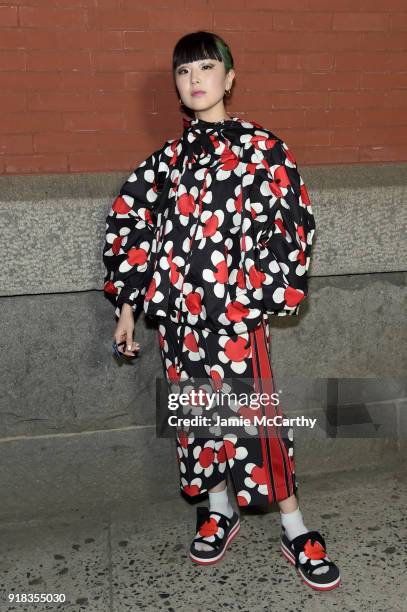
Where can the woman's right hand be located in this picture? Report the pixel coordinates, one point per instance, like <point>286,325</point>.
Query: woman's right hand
<point>124,331</point>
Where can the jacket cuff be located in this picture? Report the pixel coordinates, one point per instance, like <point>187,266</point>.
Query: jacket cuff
<point>285,311</point>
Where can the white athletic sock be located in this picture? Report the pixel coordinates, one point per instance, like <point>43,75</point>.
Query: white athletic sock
<point>293,523</point>
<point>219,502</point>
<point>294,526</point>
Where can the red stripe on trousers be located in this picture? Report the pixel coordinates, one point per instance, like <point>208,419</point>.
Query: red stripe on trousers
<point>262,439</point>
<point>278,450</point>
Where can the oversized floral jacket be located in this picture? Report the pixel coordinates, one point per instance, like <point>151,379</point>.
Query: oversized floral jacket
<point>228,240</point>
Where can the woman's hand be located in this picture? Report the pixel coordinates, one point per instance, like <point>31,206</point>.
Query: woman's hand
<point>124,331</point>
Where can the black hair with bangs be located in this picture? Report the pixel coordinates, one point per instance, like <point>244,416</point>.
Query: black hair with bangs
<point>201,45</point>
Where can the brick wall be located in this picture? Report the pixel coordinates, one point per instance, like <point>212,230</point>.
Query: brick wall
<point>86,85</point>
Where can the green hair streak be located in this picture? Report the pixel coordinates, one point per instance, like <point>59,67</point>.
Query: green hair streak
<point>225,53</point>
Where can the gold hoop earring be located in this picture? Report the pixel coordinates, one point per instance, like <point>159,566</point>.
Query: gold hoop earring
<point>180,101</point>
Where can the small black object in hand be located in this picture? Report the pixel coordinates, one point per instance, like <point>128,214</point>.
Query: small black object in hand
<point>120,354</point>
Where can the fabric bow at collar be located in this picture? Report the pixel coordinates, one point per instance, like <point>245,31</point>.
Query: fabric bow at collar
<point>198,136</point>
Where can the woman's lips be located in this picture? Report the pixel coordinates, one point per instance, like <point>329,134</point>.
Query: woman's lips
<point>198,93</point>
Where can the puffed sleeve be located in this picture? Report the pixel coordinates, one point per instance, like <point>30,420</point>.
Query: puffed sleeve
<point>285,242</point>
<point>130,226</point>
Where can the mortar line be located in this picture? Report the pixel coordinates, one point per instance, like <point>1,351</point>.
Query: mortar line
<point>69,434</point>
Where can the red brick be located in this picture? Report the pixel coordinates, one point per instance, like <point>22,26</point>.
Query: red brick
<point>35,164</point>
<point>383,81</point>
<point>254,62</point>
<point>156,124</point>
<point>334,5</point>
<point>103,40</point>
<point>86,115</point>
<point>371,61</point>
<point>49,61</point>
<point>55,3</point>
<point>273,81</point>
<point>231,5</point>
<point>42,38</point>
<point>327,155</point>
<point>331,118</point>
<point>277,5</point>
<point>13,102</point>
<point>12,39</point>
<point>93,121</point>
<point>331,81</point>
<point>395,99</point>
<point>382,117</point>
<point>125,141</point>
<point>361,22</point>
<point>399,22</point>
<point>302,21</point>
<point>307,41</point>
<point>121,101</point>
<point>116,18</point>
<point>99,162</point>
<point>149,41</point>
<point>384,153</point>
<point>361,99</point>
<point>15,144</point>
<point>103,81</point>
<point>60,81</point>
<point>280,119</point>
<point>304,61</point>
<point>337,6</point>
<point>157,81</point>
<point>390,6</point>
<point>303,99</point>
<point>13,60</point>
<point>169,4</point>
<point>101,4</point>
<point>74,3</point>
<point>164,100</point>
<point>383,41</point>
<point>376,136</point>
<point>65,142</point>
<point>167,19</point>
<point>21,123</point>
<point>299,137</point>
<point>8,16</point>
<point>123,61</point>
<point>59,101</point>
<point>163,63</point>
<point>258,21</point>
<point>32,17</point>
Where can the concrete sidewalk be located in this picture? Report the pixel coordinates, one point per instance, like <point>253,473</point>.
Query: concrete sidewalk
<point>135,558</point>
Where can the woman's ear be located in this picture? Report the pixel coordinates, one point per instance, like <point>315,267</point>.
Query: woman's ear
<point>230,78</point>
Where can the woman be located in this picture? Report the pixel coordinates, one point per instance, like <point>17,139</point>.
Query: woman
<point>210,235</point>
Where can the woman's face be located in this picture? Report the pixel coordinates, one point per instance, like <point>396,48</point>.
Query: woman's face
<point>207,76</point>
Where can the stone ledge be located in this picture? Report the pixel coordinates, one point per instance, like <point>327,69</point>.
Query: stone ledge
<point>100,467</point>
<point>57,225</point>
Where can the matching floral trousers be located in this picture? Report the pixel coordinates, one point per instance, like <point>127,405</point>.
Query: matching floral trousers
<point>260,455</point>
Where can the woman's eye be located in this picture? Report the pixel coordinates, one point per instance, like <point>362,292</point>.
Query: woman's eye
<point>204,66</point>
